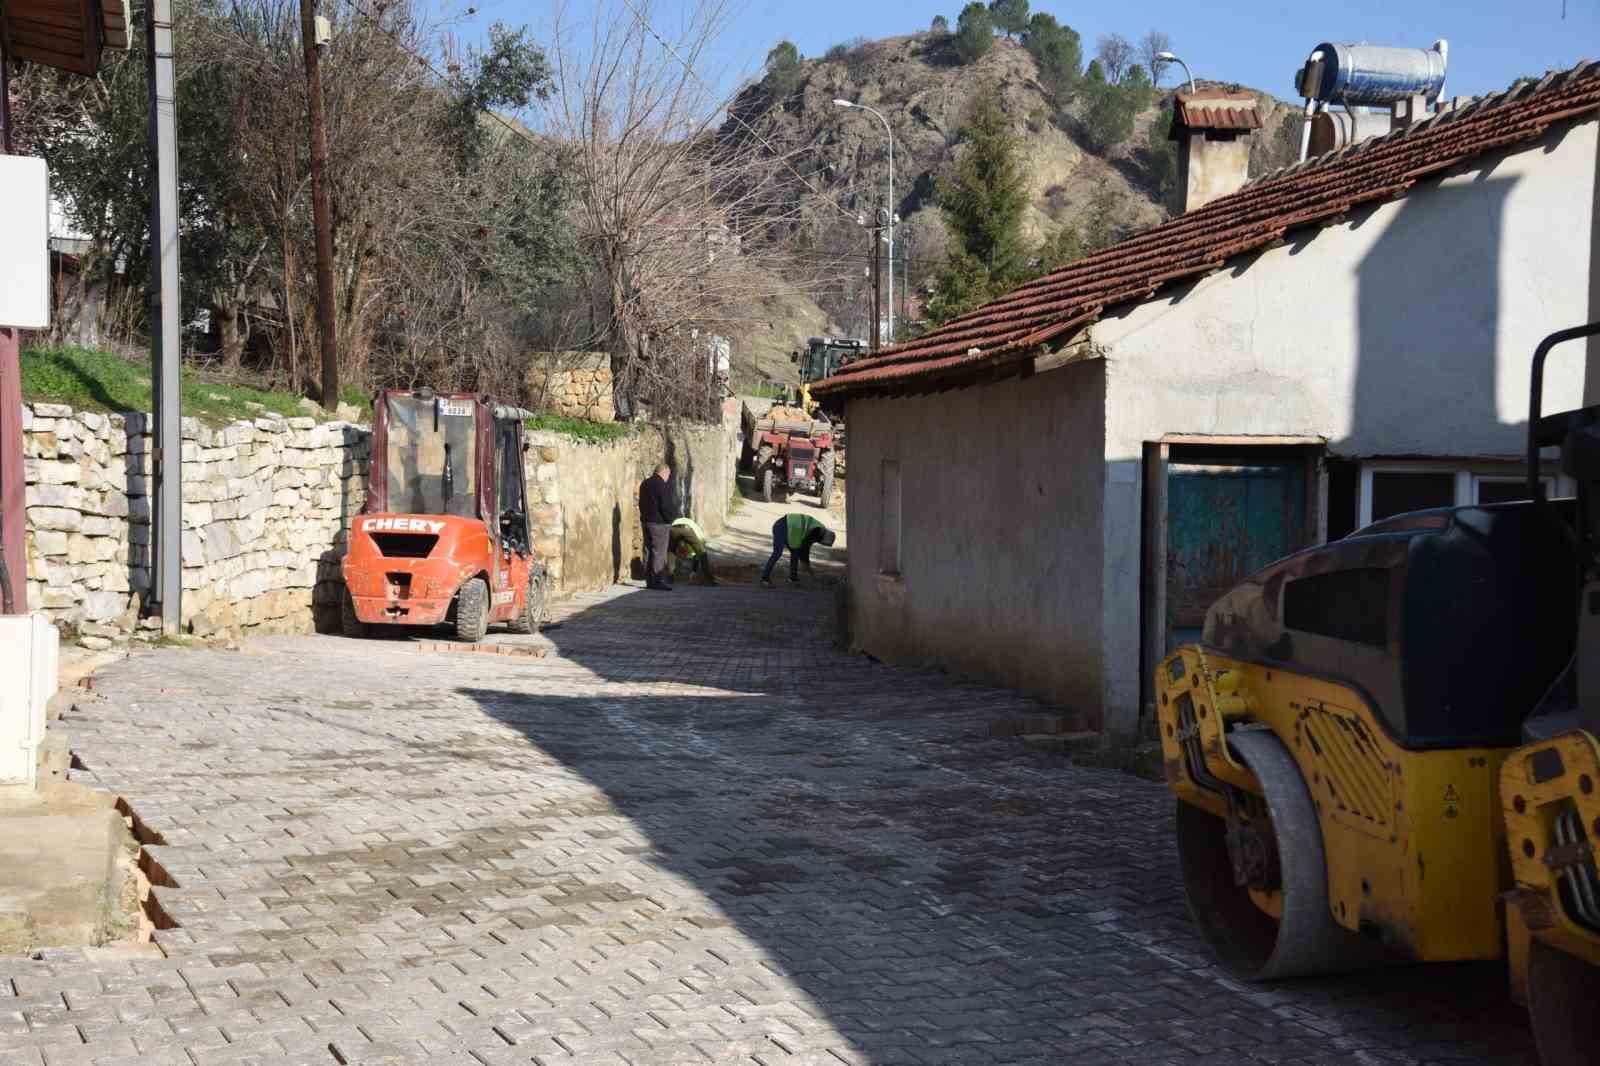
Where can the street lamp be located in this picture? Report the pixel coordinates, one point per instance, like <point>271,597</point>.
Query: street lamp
<point>890,133</point>
<point>1168,57</point>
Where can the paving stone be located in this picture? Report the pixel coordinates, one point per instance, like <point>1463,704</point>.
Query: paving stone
<point>690,831</point>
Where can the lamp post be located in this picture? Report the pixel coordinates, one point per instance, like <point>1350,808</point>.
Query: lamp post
<point>890,132</point>
<point>1168,57</point>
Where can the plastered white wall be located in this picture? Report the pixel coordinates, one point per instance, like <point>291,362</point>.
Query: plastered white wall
<point>1406,331</point>
<point>1001,542</point>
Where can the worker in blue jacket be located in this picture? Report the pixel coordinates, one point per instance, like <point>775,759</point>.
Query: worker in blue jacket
<point>796,532</point>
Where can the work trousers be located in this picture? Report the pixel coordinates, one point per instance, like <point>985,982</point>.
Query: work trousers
<point>656,537</point>
<point>780,541</point>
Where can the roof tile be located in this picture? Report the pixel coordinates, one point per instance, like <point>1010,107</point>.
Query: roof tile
<point>1008,330</point>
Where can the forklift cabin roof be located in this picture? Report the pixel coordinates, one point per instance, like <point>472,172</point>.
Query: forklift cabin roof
<point>434,453</point>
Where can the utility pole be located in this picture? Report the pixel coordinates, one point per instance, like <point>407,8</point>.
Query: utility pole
<point>166,547</point>
<point>322,215</point>
<point>877,296</point>
<point>13,500</point>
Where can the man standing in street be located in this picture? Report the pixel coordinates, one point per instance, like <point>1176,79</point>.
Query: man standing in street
<point>656,512</point>
<point>796,532</point>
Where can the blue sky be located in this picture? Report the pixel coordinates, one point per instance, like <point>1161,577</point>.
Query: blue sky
<point>1492,42</point>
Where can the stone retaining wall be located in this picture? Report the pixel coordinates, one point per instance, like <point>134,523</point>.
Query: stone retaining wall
<point>574,384</point>
<point>267,506</point>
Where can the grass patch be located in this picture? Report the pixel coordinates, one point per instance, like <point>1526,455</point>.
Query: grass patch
<point>91,380</point>
<point>581,429</point>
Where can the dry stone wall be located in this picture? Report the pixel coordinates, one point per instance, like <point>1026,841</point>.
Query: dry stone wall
<point>574,384</point>
<point>267,509</point>
<point>266,506</point>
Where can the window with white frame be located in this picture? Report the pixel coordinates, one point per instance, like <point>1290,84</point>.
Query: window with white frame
<point>1388,489</point>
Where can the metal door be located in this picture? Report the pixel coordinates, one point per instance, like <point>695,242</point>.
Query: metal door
<point>1224,522</point>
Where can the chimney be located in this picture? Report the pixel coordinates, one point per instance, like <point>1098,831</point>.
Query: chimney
<point>1212,129</point>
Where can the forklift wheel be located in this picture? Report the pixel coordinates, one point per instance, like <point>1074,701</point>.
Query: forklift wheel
<point>531,616</point>
<point>349,624</point>
<point>472,611</point>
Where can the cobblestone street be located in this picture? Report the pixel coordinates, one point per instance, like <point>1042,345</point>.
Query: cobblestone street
<point>690,832</point>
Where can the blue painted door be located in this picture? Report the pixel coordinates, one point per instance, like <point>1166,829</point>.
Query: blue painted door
<point>1224,522</point>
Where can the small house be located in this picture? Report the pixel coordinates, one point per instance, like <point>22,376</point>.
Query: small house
<point>1049,491</point>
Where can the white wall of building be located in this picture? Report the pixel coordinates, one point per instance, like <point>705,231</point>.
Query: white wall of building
<point>1000,544</point>
<point>1407,330</point>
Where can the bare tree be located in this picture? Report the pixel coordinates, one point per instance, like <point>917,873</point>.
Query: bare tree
<point>1151,45</point>
<point>1115,53</point>
<point>683,224</point>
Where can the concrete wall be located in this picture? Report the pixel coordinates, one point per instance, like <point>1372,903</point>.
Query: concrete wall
<point>1406,331</point>
<point>598,490</point>
<point>1001,550</point>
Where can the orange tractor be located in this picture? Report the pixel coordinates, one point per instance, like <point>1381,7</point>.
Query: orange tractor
<point>444,538</point>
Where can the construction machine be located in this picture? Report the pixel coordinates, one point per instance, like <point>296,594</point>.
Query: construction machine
<point>792,447</point>
<point>1384,748</point>
<point>824,355</point>
<point>445,536</point>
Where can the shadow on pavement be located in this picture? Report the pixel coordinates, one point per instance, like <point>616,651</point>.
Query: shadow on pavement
<point>936,895</point>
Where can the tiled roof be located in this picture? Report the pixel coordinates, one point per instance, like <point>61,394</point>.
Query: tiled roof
<point>1213,109</point>
<point>997,337</point>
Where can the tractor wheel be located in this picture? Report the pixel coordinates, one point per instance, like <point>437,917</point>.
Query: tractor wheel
<point>349,624</point>
<point>766,485</point>
<point>825,493</point>
<point>531,616</point>
<point>472,611</point>
<point>1250,943</point>
<point>1562,993</point>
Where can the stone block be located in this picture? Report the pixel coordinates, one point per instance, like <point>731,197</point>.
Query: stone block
<point>58,472</point>
<point>57,518</point>
<point>52,410</point>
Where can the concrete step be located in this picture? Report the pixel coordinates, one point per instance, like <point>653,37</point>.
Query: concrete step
<point>66,870</point>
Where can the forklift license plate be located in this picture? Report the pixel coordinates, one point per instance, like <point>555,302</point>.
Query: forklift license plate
<point>455,408</point>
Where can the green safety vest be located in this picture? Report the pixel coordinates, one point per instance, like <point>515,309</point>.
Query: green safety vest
<point>799,526</point>
<point>697,545</point>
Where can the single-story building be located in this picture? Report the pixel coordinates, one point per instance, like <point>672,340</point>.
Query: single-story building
<point>1048,491</point>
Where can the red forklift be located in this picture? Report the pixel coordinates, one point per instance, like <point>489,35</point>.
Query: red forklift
<point>444,538</point>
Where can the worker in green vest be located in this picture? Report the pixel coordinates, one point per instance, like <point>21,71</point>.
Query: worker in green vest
<point>796,532</point>
<point>688,543</point>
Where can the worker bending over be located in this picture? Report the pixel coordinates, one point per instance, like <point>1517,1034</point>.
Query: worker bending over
<point>689,544</point>
<point>797,532</point>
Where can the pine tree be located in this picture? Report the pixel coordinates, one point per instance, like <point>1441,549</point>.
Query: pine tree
<point>783,69</point>
<point>974,32</point>
<point>1058,51</point>
<point>982,199</point>
<point>1009,15</point>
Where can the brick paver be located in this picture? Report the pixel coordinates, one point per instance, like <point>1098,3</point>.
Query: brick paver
<point>692,832</point>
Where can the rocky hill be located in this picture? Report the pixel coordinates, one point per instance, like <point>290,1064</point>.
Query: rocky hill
<point>924,91</point>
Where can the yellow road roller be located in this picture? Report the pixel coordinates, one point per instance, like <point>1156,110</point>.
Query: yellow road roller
<point>1383,748</point>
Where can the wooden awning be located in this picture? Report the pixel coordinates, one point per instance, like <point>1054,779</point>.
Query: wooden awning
<point>65,34</point>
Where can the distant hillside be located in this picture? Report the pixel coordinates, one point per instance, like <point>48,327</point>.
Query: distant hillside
<point>923,90</point>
